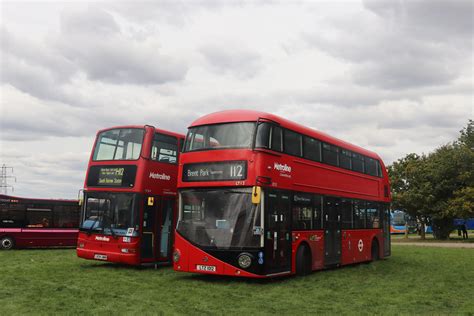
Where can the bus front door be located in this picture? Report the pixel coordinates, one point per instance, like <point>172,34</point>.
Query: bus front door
<point>151,207</point>
<point>332,231</point>
<point>277,233</point>
<point>166,227</point>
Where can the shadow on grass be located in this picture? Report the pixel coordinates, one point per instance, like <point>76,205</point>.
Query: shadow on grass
<point>220,279</point>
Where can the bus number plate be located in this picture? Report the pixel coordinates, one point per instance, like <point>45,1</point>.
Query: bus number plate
<point>201,267</point>
<point>100,257</point>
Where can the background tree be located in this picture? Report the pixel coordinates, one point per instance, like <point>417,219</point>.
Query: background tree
<point>439,186</point>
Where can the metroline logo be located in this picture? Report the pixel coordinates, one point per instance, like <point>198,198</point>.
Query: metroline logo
<point>280,167</point>
<point>102,238</point>
<point>160,176</point>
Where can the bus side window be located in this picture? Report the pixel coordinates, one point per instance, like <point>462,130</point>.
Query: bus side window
<point>373,220</point>
<point>164,148</point>
<point>276,138</point>
<point>379,169</point>
<point>302,212</point>
<point>311,149</point>
<point>39,216</point>
<point>330,154</point>
<point>359,214</point>
<point>317,212</point>
<point>347,214</point>
<point>370,166</point>
<point>12,215</point>
<point>263,135</point>
<point>345,159</point>
<point>292,143</point>
<point>358,163</point>
<point>181,145</point>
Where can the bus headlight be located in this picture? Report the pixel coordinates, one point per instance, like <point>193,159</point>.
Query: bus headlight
<point>244,260</point>
<point>176,255</point>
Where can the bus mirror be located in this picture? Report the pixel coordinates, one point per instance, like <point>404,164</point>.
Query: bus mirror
<point>256,194</point>
<point>80,196</point>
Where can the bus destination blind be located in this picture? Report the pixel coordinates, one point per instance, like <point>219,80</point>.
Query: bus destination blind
<point>112,176</point>
<point>215,171</point>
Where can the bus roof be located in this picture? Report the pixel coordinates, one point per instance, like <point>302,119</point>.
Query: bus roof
<point>143,126</point>
<point>229,116</point>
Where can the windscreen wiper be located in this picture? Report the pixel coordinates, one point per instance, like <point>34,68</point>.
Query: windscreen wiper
<point>89,231</point>
<point>112,231</point>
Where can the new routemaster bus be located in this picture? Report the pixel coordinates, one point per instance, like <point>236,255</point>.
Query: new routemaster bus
<point>26,222</point>
<point>130,196</point>
<point>261,196</point>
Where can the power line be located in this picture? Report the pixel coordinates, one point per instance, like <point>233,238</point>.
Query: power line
<point>4,178</point>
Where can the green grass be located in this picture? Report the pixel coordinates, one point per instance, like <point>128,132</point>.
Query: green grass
<point>415,280</point>
<point>453,238</point>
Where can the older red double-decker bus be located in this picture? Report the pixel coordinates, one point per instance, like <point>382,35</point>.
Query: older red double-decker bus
<point>27,222</point>
<point>261,196</point>
<point>130,196</point>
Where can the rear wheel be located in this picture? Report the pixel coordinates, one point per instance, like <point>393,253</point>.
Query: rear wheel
<point>303,260</point>
<point>7,243</point>
<point>375,250</point>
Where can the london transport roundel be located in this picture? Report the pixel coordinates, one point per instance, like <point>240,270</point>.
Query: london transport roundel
<point>361,245</point>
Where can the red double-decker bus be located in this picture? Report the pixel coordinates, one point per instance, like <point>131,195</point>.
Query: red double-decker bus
<point>261,196</point>
<point>26,222</point>
<point>130,196</point>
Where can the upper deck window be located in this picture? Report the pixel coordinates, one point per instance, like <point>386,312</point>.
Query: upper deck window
<point>312,149</point>
<point>164,148</point>
<point>220,136</point>
<point>345,160</point>
<point>292,143</point>
<point>330,154</point>
<point>119,144</point>
<point>370,166</point>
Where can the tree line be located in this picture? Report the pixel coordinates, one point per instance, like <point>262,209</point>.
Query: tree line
<point>437,187</point>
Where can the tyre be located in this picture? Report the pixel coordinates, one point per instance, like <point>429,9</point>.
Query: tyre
<point>375,250</point>
<point>303,261</point>
<point>7,243</point>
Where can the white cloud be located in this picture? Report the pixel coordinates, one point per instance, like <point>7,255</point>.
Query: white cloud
<point>392,76</point>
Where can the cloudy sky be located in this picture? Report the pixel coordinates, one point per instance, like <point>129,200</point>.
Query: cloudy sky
<point>392,76</point>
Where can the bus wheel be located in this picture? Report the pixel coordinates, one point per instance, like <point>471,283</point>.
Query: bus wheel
<point>303,260</point>
<point>375,250</point>
<point>7,243</point>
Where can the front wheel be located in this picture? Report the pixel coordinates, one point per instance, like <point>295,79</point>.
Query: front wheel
<point>7,243</point>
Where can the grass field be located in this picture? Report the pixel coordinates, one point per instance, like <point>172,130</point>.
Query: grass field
<point>453,238</point>
<point>414,280</point>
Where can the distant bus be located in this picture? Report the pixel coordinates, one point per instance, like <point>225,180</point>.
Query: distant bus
<point>130,196</point>
<point>469,222</point>
<point>398,220</point>
<point>26,222</point>
<point>261,196</point>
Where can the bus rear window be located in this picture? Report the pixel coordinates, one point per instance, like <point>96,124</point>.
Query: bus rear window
<point>119,144</point>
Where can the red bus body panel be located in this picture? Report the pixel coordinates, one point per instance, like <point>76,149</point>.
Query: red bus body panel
<point>193,256</point>
<point>145,183</point>
<point>305,176</point>
<point>96,244</point>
